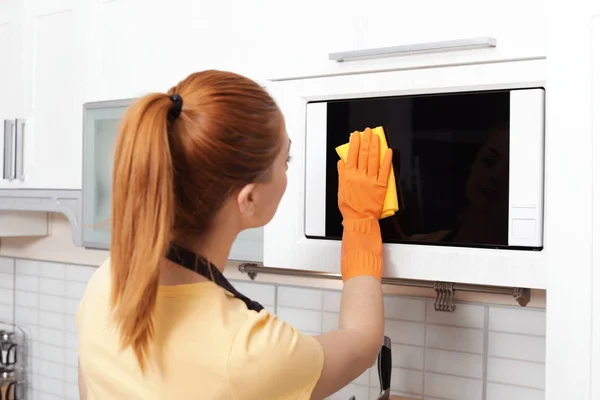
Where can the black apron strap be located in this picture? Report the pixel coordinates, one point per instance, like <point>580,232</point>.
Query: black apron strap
<point>202,266</point>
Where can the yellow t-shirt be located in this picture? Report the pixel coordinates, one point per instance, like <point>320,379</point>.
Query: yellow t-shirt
<point>207,345</point>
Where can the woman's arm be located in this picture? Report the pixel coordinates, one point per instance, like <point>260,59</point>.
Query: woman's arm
<point>353,348</point>
<point>82,387</point>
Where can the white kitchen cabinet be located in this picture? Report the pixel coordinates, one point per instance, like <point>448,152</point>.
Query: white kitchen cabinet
<point>47,101</point>
<point>304,33</point>
<point>135,46</point>
<point>286,244</point>
<point>13,224</point>
<point>11,94</point>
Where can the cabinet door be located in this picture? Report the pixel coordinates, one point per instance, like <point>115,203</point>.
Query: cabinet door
<point>51,157</point>
<point>101,124</point>
<point>306,32</point>
<point>11,92</point>
<point>135,46</point>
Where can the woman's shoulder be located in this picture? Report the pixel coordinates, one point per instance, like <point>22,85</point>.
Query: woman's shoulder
<point>98,283</point>
<point>100,277</point>
<point>290,361</point>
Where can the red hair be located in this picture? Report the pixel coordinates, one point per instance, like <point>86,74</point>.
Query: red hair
<point>171,178</point>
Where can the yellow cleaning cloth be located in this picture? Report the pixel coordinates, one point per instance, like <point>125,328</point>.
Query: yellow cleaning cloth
<point>390,204</point>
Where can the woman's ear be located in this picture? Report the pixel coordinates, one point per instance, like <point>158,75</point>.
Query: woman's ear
<point>246,200</point>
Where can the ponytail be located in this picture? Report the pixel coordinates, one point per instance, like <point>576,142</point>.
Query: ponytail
<point>142,219</point>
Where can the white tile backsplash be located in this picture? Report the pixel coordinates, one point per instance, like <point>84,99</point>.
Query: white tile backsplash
<point>504,392</point>
<point>518,347</point>
<point>331,300</point>
<point>478,352</point>
<point>411,357</point>
<point>454,363</point>
<point>513,372</point>
<point>330,321</point>
<point>7,296</point>
<point>264,294</point>
<point>7,280</point>
<point>453,387</point>
<point>26,283</point>
<point>7,266</point>
<point>30,267</point>
<point>457,339</point>
<point>52,286</point>
<point>404,381</point>
<point>27,299</point>
<point>311,299</point>
<point>517,320</point>
<point>405,309</point>
<point>7,290</point>
<point>304,320</point>
<point>405,332</point>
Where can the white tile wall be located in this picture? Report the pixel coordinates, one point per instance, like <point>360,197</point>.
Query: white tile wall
<point>479,352</point>
<point>46,299</point>
<point>7,290</point>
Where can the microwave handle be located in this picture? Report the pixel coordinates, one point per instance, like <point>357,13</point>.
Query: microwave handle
<point>8,167</point>
<point>417,48</point>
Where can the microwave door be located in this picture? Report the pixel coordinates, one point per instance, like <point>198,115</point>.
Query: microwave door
<point>458,160</point>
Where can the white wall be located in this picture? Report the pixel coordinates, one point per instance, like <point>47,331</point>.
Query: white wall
<point>481,351</point>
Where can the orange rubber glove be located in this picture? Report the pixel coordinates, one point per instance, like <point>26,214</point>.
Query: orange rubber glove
<point>361,192</point>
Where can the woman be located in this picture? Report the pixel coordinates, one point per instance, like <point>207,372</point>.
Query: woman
<point>192,169</point>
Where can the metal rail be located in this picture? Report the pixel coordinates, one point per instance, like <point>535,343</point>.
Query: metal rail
<point>444,290</point>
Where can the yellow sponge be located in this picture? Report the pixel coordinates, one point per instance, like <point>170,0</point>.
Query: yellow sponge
<point>390,204</point>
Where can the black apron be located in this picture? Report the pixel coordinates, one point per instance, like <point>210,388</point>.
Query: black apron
<point>202,266</point>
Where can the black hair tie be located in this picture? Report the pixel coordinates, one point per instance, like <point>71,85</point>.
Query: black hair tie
<point>176,107</point>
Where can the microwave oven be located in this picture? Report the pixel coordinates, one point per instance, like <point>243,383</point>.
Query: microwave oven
<point>468,143</point>
<point>468,166</point>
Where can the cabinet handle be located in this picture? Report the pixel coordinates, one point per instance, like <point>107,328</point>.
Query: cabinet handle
<point>8,169</point>
<point>418,48</point>
<point>20,150</point>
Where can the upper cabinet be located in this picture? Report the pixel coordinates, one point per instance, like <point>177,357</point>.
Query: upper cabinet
<point>11,94</point>
<point>60,54</point>
<point>135,46</point>
<point>303,34</point>
<point>41,110</point>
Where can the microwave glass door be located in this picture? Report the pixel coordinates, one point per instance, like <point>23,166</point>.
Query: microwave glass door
<point>452,159</point>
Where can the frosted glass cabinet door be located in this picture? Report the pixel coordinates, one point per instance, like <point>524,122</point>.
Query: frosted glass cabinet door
<point>101,124</point>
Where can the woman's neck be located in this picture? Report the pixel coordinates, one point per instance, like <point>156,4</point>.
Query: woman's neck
<point>215,247</point>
